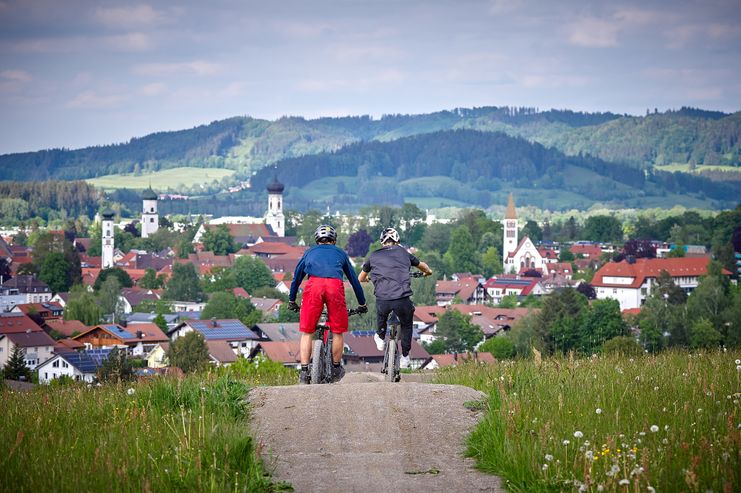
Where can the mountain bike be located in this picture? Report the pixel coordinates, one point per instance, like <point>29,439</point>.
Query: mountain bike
<point>321,351</point>
<point>391,354</point>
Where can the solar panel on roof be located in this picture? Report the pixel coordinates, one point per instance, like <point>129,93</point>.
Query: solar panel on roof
<point>119,332</point>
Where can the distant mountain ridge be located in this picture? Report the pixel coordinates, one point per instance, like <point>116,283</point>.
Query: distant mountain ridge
<point>248,144</point>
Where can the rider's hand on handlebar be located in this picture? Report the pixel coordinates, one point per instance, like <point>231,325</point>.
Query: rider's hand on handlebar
<point>293,306</point>
<point>362,309</point>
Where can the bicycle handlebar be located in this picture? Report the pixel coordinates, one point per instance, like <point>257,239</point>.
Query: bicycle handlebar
<point>350,313</point>
<point>417,274</point>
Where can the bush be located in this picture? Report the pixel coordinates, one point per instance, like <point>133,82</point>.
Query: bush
<point>623,345</point>
<point>501,347</point>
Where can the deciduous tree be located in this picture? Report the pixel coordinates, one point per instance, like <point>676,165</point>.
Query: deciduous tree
<point>184,284</point>
<point>458,332</point>
<point>189,352</point>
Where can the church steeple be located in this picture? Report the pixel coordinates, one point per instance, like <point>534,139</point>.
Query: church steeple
<point>509,243</point>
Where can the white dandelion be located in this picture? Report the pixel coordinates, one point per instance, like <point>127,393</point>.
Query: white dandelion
<point>578,434</point>
<point>654,428</point>
<point>598,411</point>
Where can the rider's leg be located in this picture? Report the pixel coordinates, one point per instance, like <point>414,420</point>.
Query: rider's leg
<point>404,309</point>
<point>311,309</point>
<point>337,318</point>
<point>338,346</point>
<point>383,309</point>
<point>305,348</point>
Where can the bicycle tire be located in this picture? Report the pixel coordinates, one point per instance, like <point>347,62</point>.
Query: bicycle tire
<point>316,362</point>
<point>391,366</point>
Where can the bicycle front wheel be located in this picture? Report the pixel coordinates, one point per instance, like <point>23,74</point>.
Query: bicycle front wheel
<point>391,360</point>
<point>316,362</point>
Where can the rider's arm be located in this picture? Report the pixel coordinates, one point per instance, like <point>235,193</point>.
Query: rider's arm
<point>363,277</point>
<point>298,276</point>
<point>353,278</point>
<point>424,268</point>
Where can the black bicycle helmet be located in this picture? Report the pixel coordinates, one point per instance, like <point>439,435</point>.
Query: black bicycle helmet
<point>325,232</point>
<point>389,234</point>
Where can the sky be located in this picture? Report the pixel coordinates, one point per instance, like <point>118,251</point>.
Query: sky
<point>76,73</point>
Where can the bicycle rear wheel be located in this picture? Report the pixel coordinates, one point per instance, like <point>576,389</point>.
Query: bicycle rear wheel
<point>316,361</point>
<point>391,360</point>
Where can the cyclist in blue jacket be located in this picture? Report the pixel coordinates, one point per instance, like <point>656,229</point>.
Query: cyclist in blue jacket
<point>325,265</point>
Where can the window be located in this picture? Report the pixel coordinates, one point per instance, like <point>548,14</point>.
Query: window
<point>151,219</point>
<point>64,364</point>
<point>614,291</point>
<point>46,376</point>
<point>55,364</point>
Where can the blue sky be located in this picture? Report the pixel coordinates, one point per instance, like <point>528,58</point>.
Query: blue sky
<point>76,73</point>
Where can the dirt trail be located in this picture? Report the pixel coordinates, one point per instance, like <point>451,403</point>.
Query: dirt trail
<point>366,435</point>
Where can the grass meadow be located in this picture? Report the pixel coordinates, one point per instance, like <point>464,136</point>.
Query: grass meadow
<point>160,435</point>
<point>175,178</point>
<point>669,422</point>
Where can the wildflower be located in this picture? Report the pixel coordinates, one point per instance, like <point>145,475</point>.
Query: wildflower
<point>548,457</point>
<point>582,488</point>
<point>624,482</point>
<point>130,391</point>
<point>600,487</point>
<point>598,411</point>
<point>665,441</point>
<point>656,388</point>
<point>578,434</point>
<point>566,442</point>
<point>545,467</point>
<point>643,433</point>
<point>666,427</point>
<point>654,428</point>
<point>613,470</point>
<point>589,455</point>
<point>738,361</point>
<point>650,489</point>
<point>738,367</point>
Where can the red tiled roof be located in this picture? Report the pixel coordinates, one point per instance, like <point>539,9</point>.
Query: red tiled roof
<point>450,359</point>
<point>364,347</point>
<point>266,304</point>
<point>89,275</point>
<point>67,344</point>
<point>135,296</point>
<point>273,248</point>
<point>281,351</point>
<point>66,327</point>
<point>221,351</point>
<point>30,339</point>
<point>651,268</point>
<point>150,332</point>
<point>593,252</point>
<point>464,288</point>
<point>631,311</point>
<point>38,308</point>
<point>240,293</point>
<point>17,322</point>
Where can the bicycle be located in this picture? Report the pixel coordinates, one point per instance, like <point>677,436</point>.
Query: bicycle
<point>321,351</point>
<point>393,349</point>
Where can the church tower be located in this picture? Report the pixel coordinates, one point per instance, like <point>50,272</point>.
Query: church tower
<point>107,239</point>
<point>274,217</point>
<point>150,217</point>
<point>510,232</point>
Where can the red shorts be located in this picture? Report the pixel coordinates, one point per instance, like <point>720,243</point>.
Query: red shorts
<point>318,292</point>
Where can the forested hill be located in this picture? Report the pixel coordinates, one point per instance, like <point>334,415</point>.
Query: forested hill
<point>476,163</point>
<point>246,144</point>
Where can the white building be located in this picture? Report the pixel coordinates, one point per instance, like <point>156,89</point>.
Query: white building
<point>517,257</point>
<point>274,216</point>
<point>632,282</point>
<point>150,216</point>
<point>36,345</point>
<point>107,239</point>
<point>77,365</point>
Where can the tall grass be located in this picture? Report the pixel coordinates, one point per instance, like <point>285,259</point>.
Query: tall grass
<point>160,435</point>
<point>668,422</point>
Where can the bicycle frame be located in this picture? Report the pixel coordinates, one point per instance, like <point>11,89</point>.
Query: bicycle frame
<point>391,354</point>
<point>321,354</point>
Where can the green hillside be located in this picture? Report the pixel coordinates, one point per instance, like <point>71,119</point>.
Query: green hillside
<point>245,144</point>
<point>162,180</point>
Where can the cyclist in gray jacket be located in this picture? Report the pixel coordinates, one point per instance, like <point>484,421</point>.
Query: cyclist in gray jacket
<point>388,268</point>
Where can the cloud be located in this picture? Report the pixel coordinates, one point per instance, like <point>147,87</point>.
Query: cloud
<point>603,32</point>
<point>16,75</point>
<point>93,100</point>
<point>153,89</point>
<point>134,16</point>
<point>135,41</point>
<point>195,67</point>
<point>504,6</point>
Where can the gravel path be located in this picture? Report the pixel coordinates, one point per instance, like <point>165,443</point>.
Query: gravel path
<point>365,435</point>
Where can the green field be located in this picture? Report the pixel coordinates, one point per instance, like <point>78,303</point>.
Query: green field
<point>685,168</point>
<point>174,178</point>
<point>666,422</point>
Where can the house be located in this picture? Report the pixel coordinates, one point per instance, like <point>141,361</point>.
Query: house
<point>221,353</point>
<point>443,360</point>
<point>80,366</point>
<point>67,344</point>
<point>241,339</point>
<point>360,348</point>
<point>240,293</point>
<point>157,357</point>
<point>277,332</point>
<point>284,352</point>
<point>268,306</point>
<point>524,255</point>
<point>507,284</point>
<point>10,297</point>
<point>171,319</point>
<point>37,346</point>
<point>468,290</point>
<point>559,268</point>
<point>631,281</point>
<point>491,319</point>
<point>17,322</point>
<point>130,298</point>
<point>188,306</point>
<point>66,328</point>
<point>35,290</point>
<point>40,312</point>
<point>61,299</point>
<point>139,339</point>
<point>244,230</point>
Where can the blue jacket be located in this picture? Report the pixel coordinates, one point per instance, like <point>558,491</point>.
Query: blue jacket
<point>326,261</point>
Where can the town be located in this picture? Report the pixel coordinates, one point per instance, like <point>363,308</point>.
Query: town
<point>229,286</point>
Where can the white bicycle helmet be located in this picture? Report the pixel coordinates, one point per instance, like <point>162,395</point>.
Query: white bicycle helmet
<point>389,234</point>
<point>325,232</point>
